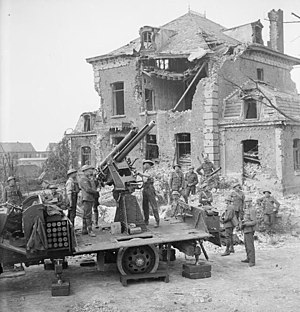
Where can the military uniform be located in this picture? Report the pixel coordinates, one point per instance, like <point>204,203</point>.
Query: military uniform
<point>13,195</point>
<point>177,183</point>
<point>248,227</point>
<point>238,198</point>
<point>191,179</point>
<point>228,226</point>
<point>149,196</point>
<point>72,190</point>
<point>88,199</point>
<point>95,185</point>
<point>205,197</point>
<point>270,208</point>
<point>208,168</point>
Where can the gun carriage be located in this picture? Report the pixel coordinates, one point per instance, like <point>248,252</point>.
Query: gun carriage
<point>136,249</point>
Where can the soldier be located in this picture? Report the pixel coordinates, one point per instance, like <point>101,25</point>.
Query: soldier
<point>88,199</point>
<point>226,219</point>
<point>72,190</point>
<point>55,197</point>
<point>191,179</point>
<point>270,208</point>
<point>176,182</point>
<point>12,193</point>
<point>206,168</point>
<point>205,196</point>
<point>248,227</point>
<point>238,198</point>
<point>149,195</point>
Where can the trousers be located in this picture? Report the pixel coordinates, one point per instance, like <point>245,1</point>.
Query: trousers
<point>229,238</point>
<point>190,190</point>
<point>87,215</point>
<point>149,198</point>
<point>249,246</point>
<point>72,208</point>
<point>269,219</point>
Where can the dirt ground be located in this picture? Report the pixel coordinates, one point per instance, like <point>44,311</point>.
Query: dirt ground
<point>272,285</point>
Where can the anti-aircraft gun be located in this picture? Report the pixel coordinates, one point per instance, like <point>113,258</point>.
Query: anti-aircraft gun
<point>116,169</point>
<point>136,249</point>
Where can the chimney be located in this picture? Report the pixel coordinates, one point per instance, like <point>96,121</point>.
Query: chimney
<point>276,30</point>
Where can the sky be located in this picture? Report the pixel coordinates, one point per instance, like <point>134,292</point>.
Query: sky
<point>45,81</point>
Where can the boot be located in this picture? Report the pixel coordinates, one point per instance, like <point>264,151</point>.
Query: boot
<point>231,250</point>
<point>245,261</point>
<point>90,232</point>
<point>84,227</point>
<point>226,253</point>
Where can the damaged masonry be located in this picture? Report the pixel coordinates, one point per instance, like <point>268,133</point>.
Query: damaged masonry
<point>210,90</point>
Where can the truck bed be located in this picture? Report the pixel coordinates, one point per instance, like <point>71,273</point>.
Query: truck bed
<point>169,231</point>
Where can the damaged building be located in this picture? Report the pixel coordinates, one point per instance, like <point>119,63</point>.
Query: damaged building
<point>211,91</point>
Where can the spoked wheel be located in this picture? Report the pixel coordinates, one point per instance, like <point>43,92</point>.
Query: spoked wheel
<point>137,260</point>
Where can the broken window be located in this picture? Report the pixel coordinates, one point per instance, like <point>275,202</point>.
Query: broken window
<point>151,147</point>
<point>85,155</point>
<point>251,162</point>
<point>296,152</point>
<point>260,74</point>
<point>149,99</point>
<point>257,35</point>
<point>118,98</point>
<point>183,149</point>
<point>162,64</point>
<point>147,39</point>
<point>116,140</point>
<point>87,123</point>
<point>250,109</point>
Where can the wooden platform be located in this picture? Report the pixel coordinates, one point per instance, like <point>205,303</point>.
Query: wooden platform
<point>134,277</point>
<point>169,231</point>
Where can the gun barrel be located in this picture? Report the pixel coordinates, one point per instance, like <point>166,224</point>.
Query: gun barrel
<point>117,149</point>
<point>134,141</point>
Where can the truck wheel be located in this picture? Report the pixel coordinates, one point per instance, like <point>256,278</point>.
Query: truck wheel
<point>137,260</point>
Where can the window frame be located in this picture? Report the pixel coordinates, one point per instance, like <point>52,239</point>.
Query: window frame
<point>246,102</point>
<point>115,93</point>
<point>296,154</point>
<point>85,157</point>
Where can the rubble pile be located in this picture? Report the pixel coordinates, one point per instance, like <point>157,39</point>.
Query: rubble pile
<point>251,170</point>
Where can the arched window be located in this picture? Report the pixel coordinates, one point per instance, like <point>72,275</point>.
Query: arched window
<point>87,123</point>
<point>85,155</point>
<point>296,153</point>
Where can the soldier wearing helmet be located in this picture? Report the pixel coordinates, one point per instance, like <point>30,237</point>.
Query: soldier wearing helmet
<point>149,194</point>
<point>72,190</point>
<point>238,198</point>
<point>228,222</point>
<point>248,227</point>
<point>205,196</point>
<point>12,193</point>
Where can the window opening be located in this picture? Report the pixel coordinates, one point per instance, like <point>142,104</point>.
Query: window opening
<point>147,39</point>
<point>251,162</point>
<point>250,109</point>
<point>149,99</point>
<point>118,98</point>
<point>260,74</point>
<point>183,150</point>
<point>85,155</point>
<point>296,153</point>
<point>162,64</point>
<point>87,123</point>
<point>152,150</point>
<point>116,140</point>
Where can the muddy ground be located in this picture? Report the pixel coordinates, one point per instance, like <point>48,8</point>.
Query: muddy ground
<point>272,285</point>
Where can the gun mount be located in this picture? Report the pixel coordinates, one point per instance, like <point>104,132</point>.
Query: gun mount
<point>118,170</point>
